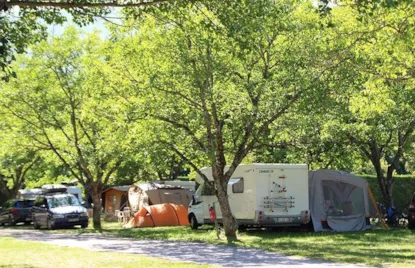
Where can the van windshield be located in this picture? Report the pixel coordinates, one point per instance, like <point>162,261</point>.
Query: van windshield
<point>63,201</point>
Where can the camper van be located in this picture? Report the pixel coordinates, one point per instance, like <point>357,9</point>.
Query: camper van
<point>76,191</point>
<point>28,194</point>
<point>260,195</point>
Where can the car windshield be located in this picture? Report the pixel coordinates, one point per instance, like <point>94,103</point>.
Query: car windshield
<point>63,201</point>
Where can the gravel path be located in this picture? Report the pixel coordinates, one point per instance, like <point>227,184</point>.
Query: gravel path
<point>221,255</point>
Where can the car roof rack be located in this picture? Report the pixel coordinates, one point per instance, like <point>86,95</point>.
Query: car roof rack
<point>54,189</point>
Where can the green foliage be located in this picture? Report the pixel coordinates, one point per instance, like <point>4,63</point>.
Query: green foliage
<point>213,77</point>
<point>64,106</point>
<point>21,27</point>
<point>213,83</point>
<point>403,190</point>
<point>243,67</point>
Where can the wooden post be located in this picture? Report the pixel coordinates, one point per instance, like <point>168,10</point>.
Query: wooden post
<point>380,217</point>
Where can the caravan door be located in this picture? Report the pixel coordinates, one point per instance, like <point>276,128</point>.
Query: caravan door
<point>210,200</point>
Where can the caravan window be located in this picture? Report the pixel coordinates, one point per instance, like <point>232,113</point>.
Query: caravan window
<point>237,185</point>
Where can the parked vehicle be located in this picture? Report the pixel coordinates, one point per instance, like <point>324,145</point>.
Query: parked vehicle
<point>28,194</point>
<point>33,193</point>
<point>15,211</point>
<point>57,208</point>
<point>411,213</point>
<point>260,195</point>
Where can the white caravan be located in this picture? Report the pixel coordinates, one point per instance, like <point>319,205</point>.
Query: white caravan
<point>260,195</point>
<point>76,191</point>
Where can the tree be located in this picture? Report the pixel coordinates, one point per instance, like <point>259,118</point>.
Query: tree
<point>14,168</point>
<point>375,111</point>
<point>306,137</point>
<point>23,23</point>
<point>82,4</point>
<point>214,77</point>
<point>66,107</point>
<point>17,160</point>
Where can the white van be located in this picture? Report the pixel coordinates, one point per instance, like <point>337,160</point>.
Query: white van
<point>260,195</point>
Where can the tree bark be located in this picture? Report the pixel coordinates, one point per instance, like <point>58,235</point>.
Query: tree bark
<point>385,182</point>
<point>229,224</point>
<point>4,191</point>
<point>96,199</point>
<point>389,182</point>
<point>380,177</point>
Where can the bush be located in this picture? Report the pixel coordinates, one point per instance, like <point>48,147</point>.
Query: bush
<point>403,189</point>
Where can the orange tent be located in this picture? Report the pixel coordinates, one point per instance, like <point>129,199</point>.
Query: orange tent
<point>166,214</point>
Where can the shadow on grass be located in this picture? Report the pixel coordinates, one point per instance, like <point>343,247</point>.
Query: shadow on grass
<point>371,247</point>
<point>374,247</point>
<point>164,233</point>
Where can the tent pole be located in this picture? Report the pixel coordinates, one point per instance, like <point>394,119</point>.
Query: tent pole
<point>372,197</point>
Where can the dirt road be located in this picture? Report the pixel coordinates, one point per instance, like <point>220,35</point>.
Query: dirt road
<point>225,256</point>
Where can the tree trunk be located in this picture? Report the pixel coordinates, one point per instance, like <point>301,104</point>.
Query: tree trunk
<point>375,159</point>
<point>96,212</point>
<point>7,193</point>
<point>385,183</point>
<point>389,182</point>
<point>18,179</point>
<point>14,190</point>
<point>229,225</point>
<point>4,192</point>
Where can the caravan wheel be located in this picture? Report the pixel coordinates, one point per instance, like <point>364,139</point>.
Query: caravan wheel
<point>193,222</point>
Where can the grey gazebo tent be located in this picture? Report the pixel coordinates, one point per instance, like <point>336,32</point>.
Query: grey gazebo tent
<point>339,201</point>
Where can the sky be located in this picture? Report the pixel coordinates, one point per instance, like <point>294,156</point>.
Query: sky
<point>99,24</point>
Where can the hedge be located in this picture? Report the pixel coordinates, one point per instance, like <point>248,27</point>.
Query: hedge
<point>403,189</point>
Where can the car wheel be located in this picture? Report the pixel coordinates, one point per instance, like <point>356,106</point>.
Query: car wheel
<point>84,225</point>
<point>242,228</point>
<point>35,225</point>
<point>193,222</point>
<point>50,224</point>
<point>11,221</point>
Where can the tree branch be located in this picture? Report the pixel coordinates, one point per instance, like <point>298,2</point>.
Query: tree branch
<point>185,128</point>
<point>179,153</point>
<point>112,170</point>
<point>70,5</point>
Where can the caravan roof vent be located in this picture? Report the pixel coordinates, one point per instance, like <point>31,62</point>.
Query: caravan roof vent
<point>54,188</point>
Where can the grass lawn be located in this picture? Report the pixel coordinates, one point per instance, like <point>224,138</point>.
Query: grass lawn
<point>393,247</point>
<point>18,253</point>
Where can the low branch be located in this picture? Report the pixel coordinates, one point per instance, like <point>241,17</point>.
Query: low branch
<point>185,128</point>
<point>111,171</point>
<point>60,156</point>
<point>193,165</point>
<point>85,131</point>
<point>70,5</point>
